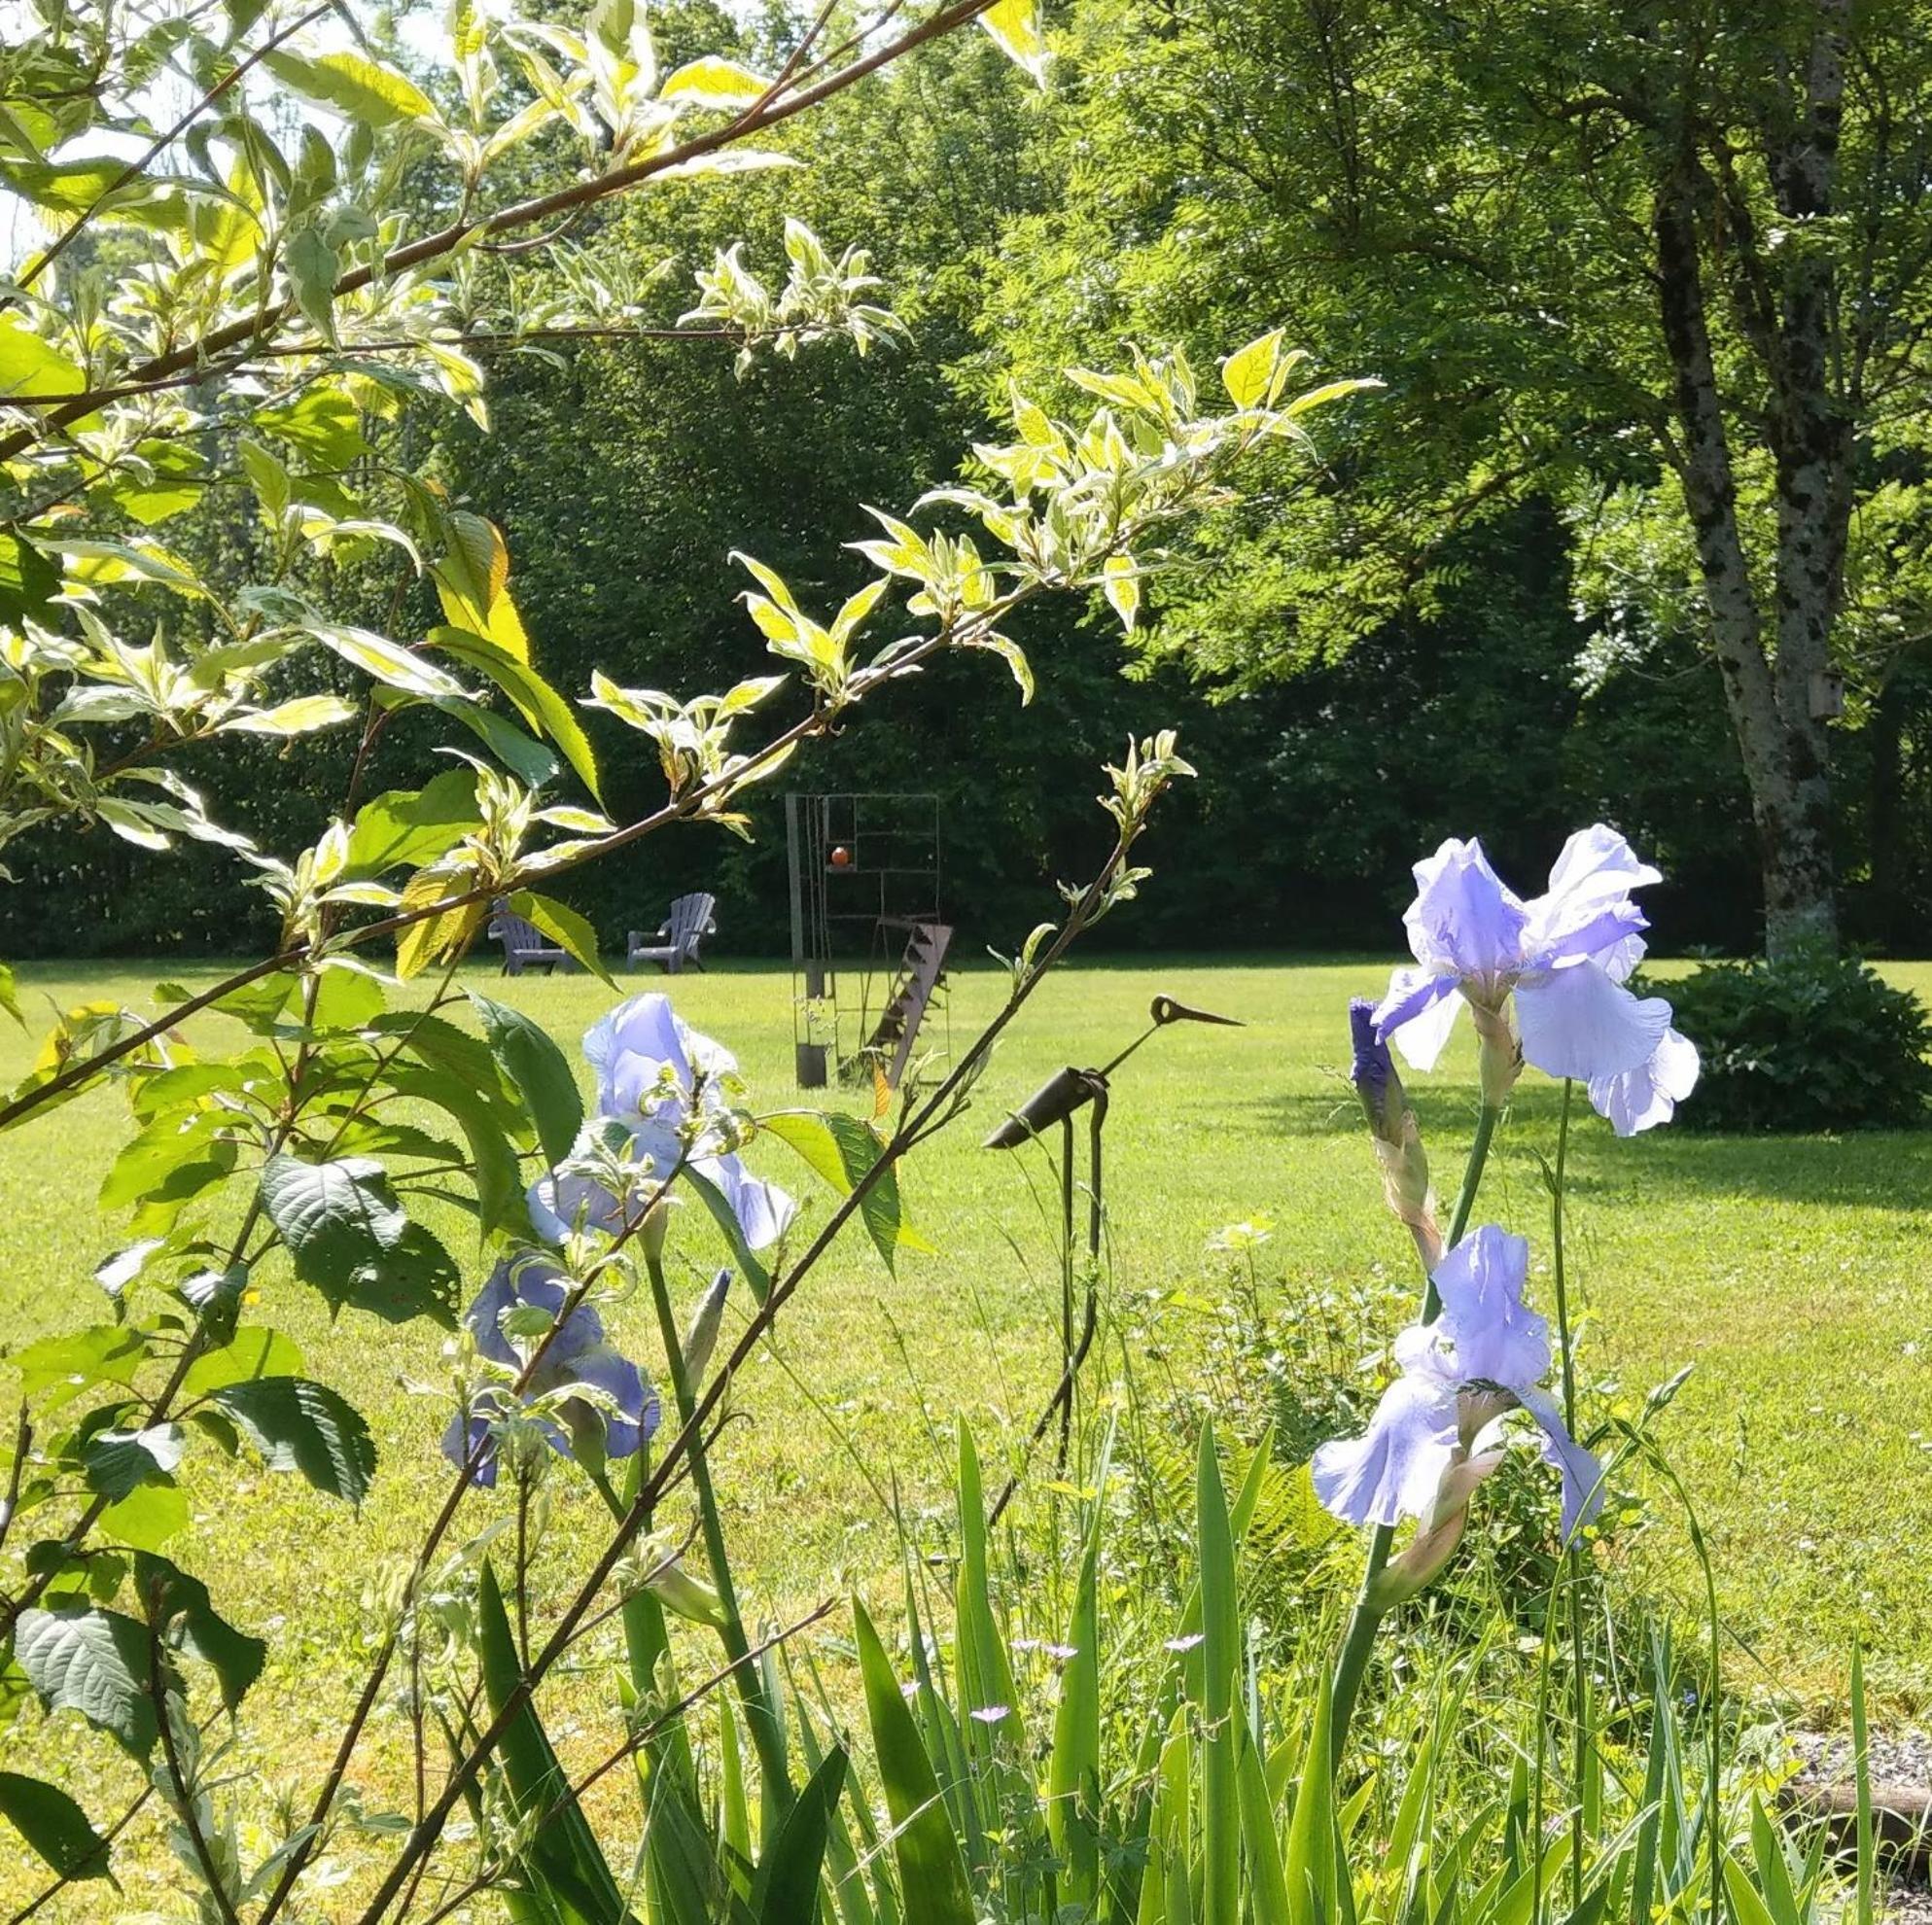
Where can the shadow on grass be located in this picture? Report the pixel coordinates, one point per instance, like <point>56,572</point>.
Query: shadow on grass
<point>1877,1169</point>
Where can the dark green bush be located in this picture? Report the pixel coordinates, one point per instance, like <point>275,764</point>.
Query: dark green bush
<point>1814,1041</point>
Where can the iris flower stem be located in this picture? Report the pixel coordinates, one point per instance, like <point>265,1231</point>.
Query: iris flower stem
<point>1365,1620</point>
<point>1579,1682</point>
<point>776,1793</point>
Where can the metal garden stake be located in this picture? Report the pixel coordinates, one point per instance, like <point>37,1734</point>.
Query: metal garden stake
<point>1059,1099</point>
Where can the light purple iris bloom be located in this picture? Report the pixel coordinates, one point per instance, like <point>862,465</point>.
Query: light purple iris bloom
<point>1483,1356</point>
<point>579,1353</point>
<point>631,1050</point>
<point>1563,955</point>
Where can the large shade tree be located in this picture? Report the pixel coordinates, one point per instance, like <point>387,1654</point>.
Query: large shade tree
<point>1661,264</point>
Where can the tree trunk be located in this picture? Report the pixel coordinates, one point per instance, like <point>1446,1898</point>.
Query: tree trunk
<point>1772,663</point>
<point>1812,447</point>
<point>1789,791</point>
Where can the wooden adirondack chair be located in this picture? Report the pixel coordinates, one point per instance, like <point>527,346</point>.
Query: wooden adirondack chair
<point>676,944</point>
<point>524,945</point>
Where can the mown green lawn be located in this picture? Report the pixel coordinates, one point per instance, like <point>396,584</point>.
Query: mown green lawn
<point>1792,1274</point>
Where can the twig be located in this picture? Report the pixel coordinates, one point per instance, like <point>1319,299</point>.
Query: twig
<point>522,213</point>
<point>692,804</point>
<point>184,1796</point>
<point>163,141</point>
<point>93,398</point>
<point>22,1443</point>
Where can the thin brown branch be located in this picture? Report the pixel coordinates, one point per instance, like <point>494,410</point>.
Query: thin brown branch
<point>22,1443</point>
<point>522,213</point>
<point>692,803</point>
<point>184,1794</point>
<point>161,142</point>
<point>497,341</point>
<point>424,1836</point>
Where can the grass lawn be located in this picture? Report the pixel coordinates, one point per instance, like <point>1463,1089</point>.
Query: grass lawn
<point>1792,1274</point>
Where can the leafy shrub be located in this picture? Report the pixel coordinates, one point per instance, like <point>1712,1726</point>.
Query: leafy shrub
<point>1813,1041</point>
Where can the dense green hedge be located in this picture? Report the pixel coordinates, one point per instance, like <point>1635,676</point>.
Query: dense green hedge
<point>1812,1042</point>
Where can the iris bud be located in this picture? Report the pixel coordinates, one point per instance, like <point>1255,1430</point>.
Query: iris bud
<point>1392,1124</point>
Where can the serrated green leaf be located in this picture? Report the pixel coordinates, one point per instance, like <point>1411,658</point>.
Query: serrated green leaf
<point>301,1425</point>
<point>178,1608</point>
<point>530,762</point>
<point>118,1463</point>
<point>146,1517</point>
<point>31,365</point>
<point>537,1069</point>
<point>93,1662</point>
<point>256,1351</point>
<point>102,1353</point>
<point>312,266</point>
<point>338,1218</point>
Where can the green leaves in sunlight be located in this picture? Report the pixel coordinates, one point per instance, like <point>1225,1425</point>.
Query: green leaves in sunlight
<point>93,1662</point>
<point>349,1238</point>
<point>412,827</point>
<point>786,1886</point>
<point>301,1425</point>
<point>563,926</point>
<point>534,699</point>
<point>931,1874</point>
<point>843,1149</point>
<point>535,1066</point>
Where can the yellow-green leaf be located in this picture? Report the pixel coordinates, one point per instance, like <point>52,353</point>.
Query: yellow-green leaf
<point>356,87</point>
<point>31,365</point>
<point>714,81</point>
<point>1248,373</point>
<point>1015,27</point>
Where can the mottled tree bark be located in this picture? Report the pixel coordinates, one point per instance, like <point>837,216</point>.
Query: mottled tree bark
<point>1772,658</point>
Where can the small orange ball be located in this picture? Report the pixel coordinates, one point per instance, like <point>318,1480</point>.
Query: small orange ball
<point>841,858</point>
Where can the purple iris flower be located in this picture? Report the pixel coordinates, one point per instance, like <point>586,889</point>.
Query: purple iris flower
<point>1483,1356</point>
<point>660,1079</point>
<point>580,1354</point>
<point>1372,1065</point>
<point>1564,956</point>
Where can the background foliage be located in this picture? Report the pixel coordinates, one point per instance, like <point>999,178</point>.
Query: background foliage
<point>1508,702</point>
